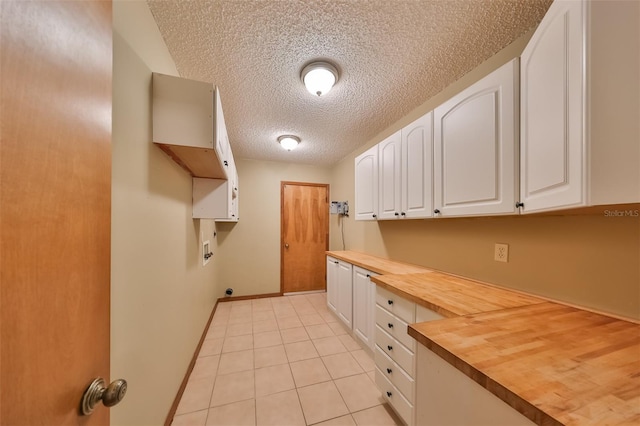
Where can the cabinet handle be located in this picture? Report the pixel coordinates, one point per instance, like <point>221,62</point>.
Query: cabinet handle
<point>368,276</point>
<point>436,211</point>
<point>519,204</point>
<point>336,262</point>
<point>397,214</point>
<point>388,370</point>
<point>226,163</point>
<point>390,302</point>
<point>390,325</point>
<point>389,394</point>
<point>374,216</point>
<point>390,347</point>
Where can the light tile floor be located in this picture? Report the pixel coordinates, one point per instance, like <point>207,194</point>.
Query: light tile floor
<point>281,361</point>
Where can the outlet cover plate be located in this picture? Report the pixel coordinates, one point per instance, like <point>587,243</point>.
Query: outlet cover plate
<point>501,253</point>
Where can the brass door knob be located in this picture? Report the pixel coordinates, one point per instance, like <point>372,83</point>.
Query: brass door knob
<point>97,392</point>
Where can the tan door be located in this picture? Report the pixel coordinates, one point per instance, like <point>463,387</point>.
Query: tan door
<point>305,236</point>
<point>55,196</point>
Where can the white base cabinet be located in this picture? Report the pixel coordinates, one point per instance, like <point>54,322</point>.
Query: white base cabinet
<point>340,289</point>
<point>447,397</point>
<point>580,109</point>
<point>364,302</point>
<point>394,351</point>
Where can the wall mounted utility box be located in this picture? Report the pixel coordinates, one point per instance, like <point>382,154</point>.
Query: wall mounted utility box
<point>188,124</point>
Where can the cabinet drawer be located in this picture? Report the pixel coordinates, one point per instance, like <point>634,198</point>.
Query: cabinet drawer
<point>395,327</point>
<point>395,374</point>
<point>400,307</point>
<point>394,349</point>
<point>395,398</point>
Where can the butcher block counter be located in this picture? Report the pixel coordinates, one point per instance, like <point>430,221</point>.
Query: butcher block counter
<point>376,264</point>
<point>553,363</point>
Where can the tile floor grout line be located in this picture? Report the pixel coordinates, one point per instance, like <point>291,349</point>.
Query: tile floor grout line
<point>304,328</point>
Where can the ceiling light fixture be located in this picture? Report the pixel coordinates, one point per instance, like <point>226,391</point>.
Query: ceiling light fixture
<point>289,142</point>
<point>319,77</point>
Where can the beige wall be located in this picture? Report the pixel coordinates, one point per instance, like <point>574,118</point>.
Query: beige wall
<point>249,251</point>
<point>590,260</point>
<point>161,295</point>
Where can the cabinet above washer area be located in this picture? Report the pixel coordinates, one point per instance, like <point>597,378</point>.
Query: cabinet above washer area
<point>188,124</point>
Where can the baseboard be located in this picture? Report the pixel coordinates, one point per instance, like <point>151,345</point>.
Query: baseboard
<point>255,296</point>
<point>176,401</point>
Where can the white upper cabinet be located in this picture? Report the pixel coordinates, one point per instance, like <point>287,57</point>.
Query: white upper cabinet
<point>417,168</point>
<point>366,184</point>
<point>389,186</point>
<point>580,140</point>
<point>405,172</point>
<point>476,147</point>
<point>188,124</point>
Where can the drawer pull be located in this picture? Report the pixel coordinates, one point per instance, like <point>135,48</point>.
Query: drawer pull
<point>390,302</point>
<point>389,370</point>
<point>368,276</point>
<point>389,394</point>
<point>390,325</point>
<point>390,347</point>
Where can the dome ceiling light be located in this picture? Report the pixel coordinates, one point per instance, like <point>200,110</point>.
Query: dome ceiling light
<point>288,142</point>
<point>319,77</point>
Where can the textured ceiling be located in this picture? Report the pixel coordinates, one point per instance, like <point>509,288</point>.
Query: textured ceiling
<point>392,56</point>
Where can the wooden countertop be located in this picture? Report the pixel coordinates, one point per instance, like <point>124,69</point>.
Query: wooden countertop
<point>376,264</point>
<point>554,363</point>
<point>452,296</point>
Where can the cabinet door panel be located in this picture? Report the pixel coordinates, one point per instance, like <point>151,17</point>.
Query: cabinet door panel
<point>417,170</point>
<point>366,185</point>
<point>363,305</point>
<point>476,147</point>
<point>389,153</point>
<point>345,293</point>
<point>469,150</point>
<point>332,284</point>
<point>551,121</point>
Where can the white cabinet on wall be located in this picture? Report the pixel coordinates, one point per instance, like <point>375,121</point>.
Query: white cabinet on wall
<point>389,184</point>
<point>580,109</point>
<point>417,168</point>
<point>215,199</point>
<point>340,289</point>
<point>188,124</point>
<point>406,172</point>
<point>366,185</point>
<point>476,147</point>
<point>364,301</point>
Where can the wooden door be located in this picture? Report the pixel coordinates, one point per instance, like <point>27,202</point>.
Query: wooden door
<point>304,236</point>
<point>55,192</point>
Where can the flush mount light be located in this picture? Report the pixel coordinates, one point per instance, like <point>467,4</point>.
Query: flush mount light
<point>289,142</point>
<point>319,77</point>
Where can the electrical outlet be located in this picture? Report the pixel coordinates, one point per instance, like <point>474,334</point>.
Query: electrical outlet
<point>501,253</point>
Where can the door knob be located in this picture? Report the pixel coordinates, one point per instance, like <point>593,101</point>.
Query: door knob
<point>97,392</point>
<point>286,245</point>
